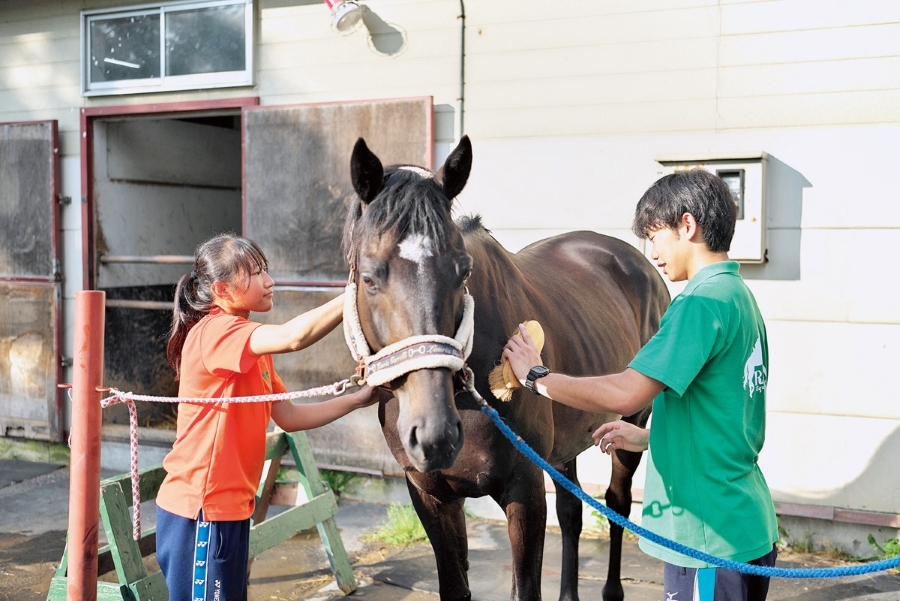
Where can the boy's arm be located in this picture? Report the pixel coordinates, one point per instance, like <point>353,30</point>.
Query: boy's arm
<point>624,393</point>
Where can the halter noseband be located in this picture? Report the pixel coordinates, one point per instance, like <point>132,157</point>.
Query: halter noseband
<point>410,354</point>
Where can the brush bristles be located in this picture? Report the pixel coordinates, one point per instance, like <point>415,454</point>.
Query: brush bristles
<point>498,383</point>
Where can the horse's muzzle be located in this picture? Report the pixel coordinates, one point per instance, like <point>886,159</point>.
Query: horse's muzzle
<point>428,424</point>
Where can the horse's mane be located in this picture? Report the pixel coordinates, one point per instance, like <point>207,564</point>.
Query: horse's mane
<point>470,224</point>
<point>411,202</point>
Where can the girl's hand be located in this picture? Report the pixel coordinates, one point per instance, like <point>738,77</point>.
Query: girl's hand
<point>368,395</point>
<point>621,435</point>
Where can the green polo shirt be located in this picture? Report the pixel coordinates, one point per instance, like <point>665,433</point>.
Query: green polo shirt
<point>704,488</point>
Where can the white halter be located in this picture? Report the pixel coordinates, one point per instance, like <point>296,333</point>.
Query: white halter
<point>409,354</point>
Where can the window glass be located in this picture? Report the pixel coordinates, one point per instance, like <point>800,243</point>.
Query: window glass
<point>124,48</point>
<point>207,40</point>
<point>180,45</point>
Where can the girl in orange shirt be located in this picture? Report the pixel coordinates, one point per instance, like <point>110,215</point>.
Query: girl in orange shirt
<point>214,468</point>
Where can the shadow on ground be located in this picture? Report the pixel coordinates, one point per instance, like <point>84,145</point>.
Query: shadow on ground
<point>33,522</point>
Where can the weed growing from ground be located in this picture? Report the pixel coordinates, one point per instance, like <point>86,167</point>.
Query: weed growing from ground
<point>402,527</point>
<point>889,549</point>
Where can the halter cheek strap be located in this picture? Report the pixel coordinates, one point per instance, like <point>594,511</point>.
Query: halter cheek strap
<point>410,354</point>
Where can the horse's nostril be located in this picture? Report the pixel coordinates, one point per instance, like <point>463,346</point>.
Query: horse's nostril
<point>413,440</point>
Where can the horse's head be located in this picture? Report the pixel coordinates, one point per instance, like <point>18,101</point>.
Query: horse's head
<point>410,266</point>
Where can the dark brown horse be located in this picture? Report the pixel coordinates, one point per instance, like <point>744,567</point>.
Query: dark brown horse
<point>598,300</point>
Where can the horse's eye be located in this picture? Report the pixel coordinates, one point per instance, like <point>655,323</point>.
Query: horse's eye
<point>367,281</point>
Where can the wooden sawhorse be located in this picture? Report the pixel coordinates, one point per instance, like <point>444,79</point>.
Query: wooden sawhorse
<point>124,554</point>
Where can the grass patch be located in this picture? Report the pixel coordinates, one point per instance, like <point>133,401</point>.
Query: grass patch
<point>889,549</point>
<point>34,450</point>
<point>601,523</point>
<point>402,528</point>
<point>336,480</point>
<point>801,545</point>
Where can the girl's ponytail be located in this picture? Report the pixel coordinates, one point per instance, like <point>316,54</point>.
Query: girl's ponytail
<point>186,311</point>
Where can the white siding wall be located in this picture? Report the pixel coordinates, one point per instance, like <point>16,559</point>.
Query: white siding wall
<point>568,106</point>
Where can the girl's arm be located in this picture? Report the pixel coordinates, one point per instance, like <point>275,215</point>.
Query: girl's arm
<point>300,332</point>
<point>291,417</point>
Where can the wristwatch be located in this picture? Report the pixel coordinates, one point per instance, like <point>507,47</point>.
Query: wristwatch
<point>538,371</point>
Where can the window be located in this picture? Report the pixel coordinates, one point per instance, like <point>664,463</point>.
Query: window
<point>735,180</point>
<point>172,46</point>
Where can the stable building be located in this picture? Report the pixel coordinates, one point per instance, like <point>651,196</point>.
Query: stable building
<point>132,131</point>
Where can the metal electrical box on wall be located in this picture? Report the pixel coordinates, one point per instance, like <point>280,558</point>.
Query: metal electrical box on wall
<point>745,174</point>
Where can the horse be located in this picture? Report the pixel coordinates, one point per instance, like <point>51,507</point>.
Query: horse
<point>416,273</point>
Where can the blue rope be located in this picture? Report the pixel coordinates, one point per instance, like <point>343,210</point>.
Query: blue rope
<point>746,568</point>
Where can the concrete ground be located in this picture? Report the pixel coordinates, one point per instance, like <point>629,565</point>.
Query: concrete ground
<point>34,503</point>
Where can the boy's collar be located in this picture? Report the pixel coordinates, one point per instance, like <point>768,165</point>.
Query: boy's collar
<point>713,269</point>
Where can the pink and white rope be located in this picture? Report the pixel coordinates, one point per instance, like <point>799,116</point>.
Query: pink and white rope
<point>128,398</point>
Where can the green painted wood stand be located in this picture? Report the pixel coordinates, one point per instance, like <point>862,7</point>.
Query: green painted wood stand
<point>124,554</point>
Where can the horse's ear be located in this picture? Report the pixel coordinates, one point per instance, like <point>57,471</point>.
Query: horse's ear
<point>455,173</point>
<point>366,172</point>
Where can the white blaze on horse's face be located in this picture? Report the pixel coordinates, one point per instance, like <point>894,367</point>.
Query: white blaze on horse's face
<point>416,248</point>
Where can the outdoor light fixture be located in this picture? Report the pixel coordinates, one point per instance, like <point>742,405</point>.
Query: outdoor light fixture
<point>345,14</point>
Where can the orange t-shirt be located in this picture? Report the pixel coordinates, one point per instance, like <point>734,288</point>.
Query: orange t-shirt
<point>219,451</point>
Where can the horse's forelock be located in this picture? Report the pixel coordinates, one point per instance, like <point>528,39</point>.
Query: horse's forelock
<point>411,203</point>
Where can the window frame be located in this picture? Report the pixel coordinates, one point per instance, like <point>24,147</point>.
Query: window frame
<point>165,83</point>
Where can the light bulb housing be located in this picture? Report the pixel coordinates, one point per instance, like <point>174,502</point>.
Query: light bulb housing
<point>345,14</point>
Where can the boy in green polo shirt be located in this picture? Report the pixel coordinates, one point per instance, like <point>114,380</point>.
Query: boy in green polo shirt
<point>705,373</point>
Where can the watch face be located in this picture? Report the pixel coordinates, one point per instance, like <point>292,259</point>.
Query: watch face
<point>538,371</point>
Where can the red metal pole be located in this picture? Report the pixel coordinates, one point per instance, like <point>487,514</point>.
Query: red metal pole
<point>84,474</point>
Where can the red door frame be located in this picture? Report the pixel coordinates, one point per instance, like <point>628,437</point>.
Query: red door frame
<point>87,148</point>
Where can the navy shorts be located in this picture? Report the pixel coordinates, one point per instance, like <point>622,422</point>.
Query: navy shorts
<point>203,561</point>
<point>728,585</point>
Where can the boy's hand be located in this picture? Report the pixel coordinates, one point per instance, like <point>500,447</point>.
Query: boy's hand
<point>522,353</point>
<point>621,435</point>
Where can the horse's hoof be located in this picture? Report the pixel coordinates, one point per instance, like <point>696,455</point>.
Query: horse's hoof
<point>613,592</point>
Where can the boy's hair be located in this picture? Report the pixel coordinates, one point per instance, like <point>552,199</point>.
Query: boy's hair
<point>695,191</point>
<point>225,257</point>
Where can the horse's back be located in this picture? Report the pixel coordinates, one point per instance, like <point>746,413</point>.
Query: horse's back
<point>595,295</point>
<point>597,269</point>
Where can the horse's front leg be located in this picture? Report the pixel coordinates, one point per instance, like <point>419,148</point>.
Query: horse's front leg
<point>569,513</point>
<point>618,498</point>
<point>445,525</point>
<point>525,503</point>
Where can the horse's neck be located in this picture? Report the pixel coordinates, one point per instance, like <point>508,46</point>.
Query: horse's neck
<point>501,298</point>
